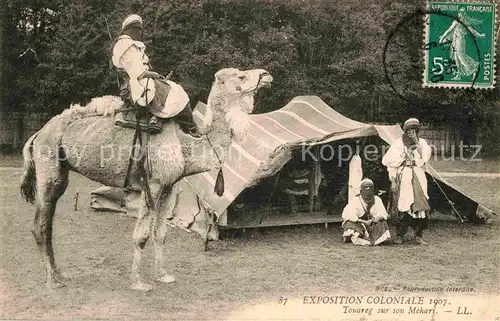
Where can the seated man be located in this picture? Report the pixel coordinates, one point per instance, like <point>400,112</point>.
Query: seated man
<point>365,218</point>
<point>144,87</point>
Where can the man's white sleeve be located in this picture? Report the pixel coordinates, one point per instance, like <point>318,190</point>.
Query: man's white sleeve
<point>349,213</point>
<point>420,160</point>
<point>379,209</point>
<point>393,159</point>
<point>131,60</point>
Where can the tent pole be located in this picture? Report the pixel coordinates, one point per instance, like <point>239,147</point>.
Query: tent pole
<point>312,176</point>
<point>270,197</point>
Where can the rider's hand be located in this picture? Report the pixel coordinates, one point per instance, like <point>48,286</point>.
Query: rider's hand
<point>149,74</point>
<point>419,149</point>
<point>412,134</point>
<point>394,188</point>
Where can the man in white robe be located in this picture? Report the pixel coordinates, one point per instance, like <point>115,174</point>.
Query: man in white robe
<point>365,218</point>
<point>144,87</point>
<point>405,161</point>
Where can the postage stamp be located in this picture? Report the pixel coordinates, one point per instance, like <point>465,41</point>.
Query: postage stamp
<point>460,45</point>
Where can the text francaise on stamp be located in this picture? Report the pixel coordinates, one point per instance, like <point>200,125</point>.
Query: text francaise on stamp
<point>460,45</point>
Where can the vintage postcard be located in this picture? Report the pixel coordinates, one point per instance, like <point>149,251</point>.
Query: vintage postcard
<point>249,160</point>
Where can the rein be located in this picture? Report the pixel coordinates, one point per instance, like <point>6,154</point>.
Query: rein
<point>219,182</point>
<point>258,83</point>
<point>254,90</point>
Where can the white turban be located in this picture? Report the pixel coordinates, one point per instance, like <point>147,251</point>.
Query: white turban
<point>366,182</point>
<point>132,19</point>
<point>411,123</point>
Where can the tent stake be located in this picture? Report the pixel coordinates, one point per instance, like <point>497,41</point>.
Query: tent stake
<point>76,201</point>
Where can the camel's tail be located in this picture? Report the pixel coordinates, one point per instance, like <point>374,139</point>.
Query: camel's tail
<point>28,179</point>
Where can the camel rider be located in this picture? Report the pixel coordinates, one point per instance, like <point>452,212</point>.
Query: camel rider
<point>144,87</point>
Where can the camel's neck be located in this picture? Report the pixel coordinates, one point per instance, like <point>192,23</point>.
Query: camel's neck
<point>220,133</point>
<point>206,151</point>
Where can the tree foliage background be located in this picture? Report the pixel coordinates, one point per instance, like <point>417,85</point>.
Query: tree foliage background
<point>326,48</point>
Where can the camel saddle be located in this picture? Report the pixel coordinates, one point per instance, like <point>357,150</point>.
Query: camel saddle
<point>128,113</point>
<point>128,119</point>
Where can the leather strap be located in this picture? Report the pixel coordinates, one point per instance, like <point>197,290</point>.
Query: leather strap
<point>137,135</point>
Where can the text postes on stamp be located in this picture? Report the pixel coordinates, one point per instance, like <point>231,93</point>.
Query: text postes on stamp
<point>460,45</point>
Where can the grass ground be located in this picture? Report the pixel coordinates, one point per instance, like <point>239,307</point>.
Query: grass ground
<point>441,164</point>
<point>13,160</point>
<point>239,278</point>
<point>485,189</point>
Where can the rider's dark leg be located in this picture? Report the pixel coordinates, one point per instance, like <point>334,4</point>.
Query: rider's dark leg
<point>186,121</point>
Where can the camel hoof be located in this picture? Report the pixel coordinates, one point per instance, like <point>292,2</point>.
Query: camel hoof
<point>59,277</point>
<point>420,241</point>
<point>166,279</point>
<point>143,287</point>
<point>55,284</point>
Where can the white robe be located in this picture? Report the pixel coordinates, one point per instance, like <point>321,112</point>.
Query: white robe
<point>393,159</point>
<point>355,209</point>
<point>130,55</point>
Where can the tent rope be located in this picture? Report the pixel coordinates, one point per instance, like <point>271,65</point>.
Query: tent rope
<point>462,221</point>
<point>446,196</point>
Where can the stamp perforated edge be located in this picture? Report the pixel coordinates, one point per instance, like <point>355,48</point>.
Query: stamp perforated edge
<point>496,32</point>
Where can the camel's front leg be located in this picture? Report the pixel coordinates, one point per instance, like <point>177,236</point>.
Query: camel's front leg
<point>140,237</point>
<point>164,210</point>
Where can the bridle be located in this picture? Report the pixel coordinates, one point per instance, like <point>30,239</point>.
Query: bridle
<point>254,90</point>
<point>258,83</point>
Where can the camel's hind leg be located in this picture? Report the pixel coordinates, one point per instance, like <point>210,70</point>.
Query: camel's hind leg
<point>51,184</point>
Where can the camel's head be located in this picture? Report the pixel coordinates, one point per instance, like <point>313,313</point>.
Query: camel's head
<point>240,82</point>
<point>233,94</point>
<point>234,84</point>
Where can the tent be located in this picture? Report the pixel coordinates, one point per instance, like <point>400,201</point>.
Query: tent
<point>304,122</point>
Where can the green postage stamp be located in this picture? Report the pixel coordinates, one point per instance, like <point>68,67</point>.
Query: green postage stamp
<point>460,43</point>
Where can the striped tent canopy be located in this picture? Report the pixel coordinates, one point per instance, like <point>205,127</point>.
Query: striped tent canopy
<point>306,120</point>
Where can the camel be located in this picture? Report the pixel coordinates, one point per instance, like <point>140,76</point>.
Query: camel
<point>84,139</point>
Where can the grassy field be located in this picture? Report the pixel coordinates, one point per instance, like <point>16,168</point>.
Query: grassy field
<point>479,166</point>
<point>239,278</point>
<point>11,160</point>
